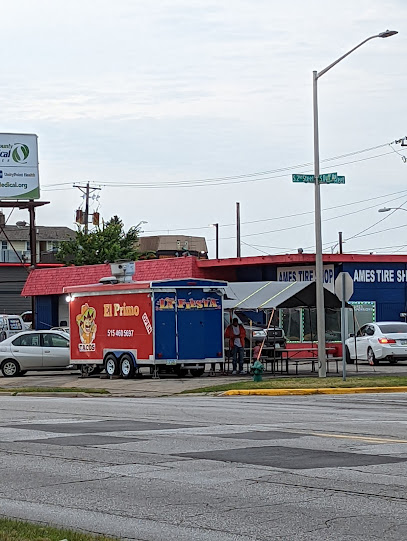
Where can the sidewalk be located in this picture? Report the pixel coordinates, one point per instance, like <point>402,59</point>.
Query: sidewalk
<point>167,385</point>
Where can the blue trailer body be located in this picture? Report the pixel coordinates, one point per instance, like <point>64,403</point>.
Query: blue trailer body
<point>188,320</point>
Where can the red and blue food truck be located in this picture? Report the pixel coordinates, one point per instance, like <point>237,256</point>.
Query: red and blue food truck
<point>174,325</point>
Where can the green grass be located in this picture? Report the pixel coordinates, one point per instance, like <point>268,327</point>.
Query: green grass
<point>17,390</point>
<point>307,383</point>
<point>16,530</point>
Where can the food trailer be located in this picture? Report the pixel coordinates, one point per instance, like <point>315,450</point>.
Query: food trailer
<point>170,325</point>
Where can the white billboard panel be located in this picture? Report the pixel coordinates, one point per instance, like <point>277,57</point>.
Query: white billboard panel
<point>306,274</point>
<point>19,166</point>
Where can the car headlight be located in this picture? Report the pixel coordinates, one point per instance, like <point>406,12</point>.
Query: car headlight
<point>259,334</point>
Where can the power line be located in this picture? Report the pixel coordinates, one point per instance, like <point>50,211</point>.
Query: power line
<point>248,177</point>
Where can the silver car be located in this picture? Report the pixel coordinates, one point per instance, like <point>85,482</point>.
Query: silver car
<point>34,350</point>
<point>374,342</point>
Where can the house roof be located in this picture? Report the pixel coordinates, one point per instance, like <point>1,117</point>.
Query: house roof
<point>172,243</point>
<point>52,281</point>
<point>43,233</point>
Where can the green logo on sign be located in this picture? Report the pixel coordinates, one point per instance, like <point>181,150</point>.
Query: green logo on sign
<point>20,153</point>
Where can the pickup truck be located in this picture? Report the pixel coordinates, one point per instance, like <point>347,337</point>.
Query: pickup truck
<point>275,336</point>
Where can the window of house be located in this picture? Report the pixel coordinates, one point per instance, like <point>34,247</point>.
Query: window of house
<point>4,245</point>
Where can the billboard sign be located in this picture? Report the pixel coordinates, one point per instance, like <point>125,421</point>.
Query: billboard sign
<point>19,166</point>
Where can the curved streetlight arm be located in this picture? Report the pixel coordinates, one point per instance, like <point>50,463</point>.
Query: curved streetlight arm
<point>386,34</point>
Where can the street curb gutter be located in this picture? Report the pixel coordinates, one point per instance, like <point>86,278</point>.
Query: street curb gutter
<point>321,390</point>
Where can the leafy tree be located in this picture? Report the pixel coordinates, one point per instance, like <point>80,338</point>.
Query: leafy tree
<point>106,244</point>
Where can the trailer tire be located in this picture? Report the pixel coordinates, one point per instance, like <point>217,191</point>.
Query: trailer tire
<point>127,367</point>
<point>111,365</point>
<point>181,372</point>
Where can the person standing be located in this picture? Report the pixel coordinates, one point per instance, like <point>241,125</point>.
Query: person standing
<point>236,334</point>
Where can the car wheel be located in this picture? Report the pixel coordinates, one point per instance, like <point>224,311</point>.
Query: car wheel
<point>93,370</point>
<point>126,366</point>
<point>10,368</point>
<point>347,356</point>
<point>111,365</point>
<point>371,357</point>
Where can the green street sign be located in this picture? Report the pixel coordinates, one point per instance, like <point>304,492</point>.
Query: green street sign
<point>327,178</point>
<point>303,178</point>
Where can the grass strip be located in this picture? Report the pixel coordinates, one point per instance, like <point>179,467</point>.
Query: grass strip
<point>306,383</point>
<point>16,530</point>
<point>52,390</point>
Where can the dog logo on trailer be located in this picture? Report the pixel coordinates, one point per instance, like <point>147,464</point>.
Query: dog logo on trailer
<point>87,327</point>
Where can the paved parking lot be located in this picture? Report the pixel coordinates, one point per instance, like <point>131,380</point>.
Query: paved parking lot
<point>167,384</point>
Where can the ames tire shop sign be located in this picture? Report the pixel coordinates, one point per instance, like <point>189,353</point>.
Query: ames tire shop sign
<point>19,166</point>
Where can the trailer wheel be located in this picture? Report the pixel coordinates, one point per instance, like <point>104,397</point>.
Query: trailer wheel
<point>181,372</point>
<point>111,365</point>
<point>126,366</point>
<point>197,372</point>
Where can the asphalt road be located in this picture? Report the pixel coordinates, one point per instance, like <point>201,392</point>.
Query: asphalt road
<point>210,469</point>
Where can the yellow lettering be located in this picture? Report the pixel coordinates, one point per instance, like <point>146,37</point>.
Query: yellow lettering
<point>107,310</point>
<point>116,309</point>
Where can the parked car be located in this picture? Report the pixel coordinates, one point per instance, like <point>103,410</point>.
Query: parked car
<point>27,317</point>
<point>34,350</point>
<point>10,325</point>
<point>380,341</point>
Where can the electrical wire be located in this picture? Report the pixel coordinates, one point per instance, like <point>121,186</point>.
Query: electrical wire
<point>238,178</point>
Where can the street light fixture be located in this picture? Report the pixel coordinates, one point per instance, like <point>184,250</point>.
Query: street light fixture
<point>386,209</point>
<point>319,284</point>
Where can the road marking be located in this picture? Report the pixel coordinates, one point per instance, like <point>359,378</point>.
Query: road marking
<point>361,438</point>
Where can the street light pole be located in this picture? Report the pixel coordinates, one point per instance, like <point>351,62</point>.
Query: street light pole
<point>319,284</point>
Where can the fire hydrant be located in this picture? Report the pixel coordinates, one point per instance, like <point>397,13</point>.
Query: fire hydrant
<point>257,369</point>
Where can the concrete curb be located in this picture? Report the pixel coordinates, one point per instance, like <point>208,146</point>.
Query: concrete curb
<point>321,390</point>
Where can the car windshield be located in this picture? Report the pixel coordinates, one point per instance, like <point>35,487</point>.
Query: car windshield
<point>245,319</point>
<point>393,328</point>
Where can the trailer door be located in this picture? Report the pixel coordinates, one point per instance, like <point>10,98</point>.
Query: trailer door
<point>165,325</point>
<point>200,328</point>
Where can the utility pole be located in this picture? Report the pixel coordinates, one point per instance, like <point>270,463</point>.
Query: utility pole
<point>86,190</point>
<point>238,252</point>
<point>340,243</point>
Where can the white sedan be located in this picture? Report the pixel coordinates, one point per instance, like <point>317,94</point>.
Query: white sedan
<point>34,350</point>
<point>381,341</point>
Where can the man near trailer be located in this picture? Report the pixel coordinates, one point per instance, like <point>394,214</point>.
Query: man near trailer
<point>236,334</point>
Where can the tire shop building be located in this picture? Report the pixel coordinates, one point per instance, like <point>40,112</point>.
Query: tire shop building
<point>380,285</point>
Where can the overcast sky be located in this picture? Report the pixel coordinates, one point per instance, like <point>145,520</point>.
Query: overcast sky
<point>145,98</point>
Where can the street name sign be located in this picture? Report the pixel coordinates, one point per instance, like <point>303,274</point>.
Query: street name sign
<point>327,178</point>
<point>308,179</point>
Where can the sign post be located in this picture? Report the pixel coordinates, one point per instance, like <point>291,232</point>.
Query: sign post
<point>344,291</point>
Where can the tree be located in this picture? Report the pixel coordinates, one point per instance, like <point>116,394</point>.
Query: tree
<point>106,244</point>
